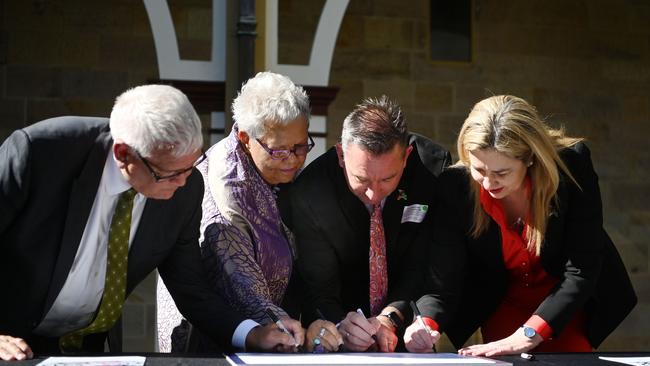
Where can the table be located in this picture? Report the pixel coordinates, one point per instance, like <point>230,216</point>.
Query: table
<point>541,359</point>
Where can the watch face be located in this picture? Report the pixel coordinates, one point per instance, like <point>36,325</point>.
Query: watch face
<point>529,332</point>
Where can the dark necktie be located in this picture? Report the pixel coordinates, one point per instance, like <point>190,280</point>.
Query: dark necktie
<point>378,265</point>
<point>110,307</point>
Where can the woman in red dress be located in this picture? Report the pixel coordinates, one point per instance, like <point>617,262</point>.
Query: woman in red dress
<point>521,211</point>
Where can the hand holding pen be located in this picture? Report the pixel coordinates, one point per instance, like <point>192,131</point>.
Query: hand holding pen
<point>418,337</point>
<point>358,332</point>
<point>322,336</point>
<point>291,328</point>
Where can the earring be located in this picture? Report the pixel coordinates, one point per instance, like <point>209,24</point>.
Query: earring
<point>530,163</point>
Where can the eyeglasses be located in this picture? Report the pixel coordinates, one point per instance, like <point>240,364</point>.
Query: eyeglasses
<point>158,178</point>
<point>297,150</point>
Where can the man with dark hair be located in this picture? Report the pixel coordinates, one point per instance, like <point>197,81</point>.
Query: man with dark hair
<point>360,216</point>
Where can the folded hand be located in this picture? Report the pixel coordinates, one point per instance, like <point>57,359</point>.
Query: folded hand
<point>12,348</point>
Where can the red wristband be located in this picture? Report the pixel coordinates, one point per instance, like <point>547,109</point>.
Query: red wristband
<point>540,325</point>
<point>432,324</point>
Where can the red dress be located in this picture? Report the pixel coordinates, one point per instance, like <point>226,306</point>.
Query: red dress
<point>528,286</point>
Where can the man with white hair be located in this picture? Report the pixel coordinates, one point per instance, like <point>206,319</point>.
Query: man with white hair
<point>90,206</point>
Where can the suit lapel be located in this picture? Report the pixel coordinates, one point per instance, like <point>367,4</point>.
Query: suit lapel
<point>555,226</point>
<point>492,247</point>
<point>82,197</point>
<point>392,215</point>
<point>354,211</point>
<point>394,205</point>
<point>145,238</point>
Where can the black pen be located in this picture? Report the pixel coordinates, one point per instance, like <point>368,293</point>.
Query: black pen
<point>320,314</point>
<point>322,317</point>
<point>374,336</point>
<point>418,316</point>
<point>280,324</point>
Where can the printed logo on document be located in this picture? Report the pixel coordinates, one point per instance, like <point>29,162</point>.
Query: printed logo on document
<point>414,213</point>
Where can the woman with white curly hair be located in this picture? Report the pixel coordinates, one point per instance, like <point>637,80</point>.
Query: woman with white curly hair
<point>247,250</point>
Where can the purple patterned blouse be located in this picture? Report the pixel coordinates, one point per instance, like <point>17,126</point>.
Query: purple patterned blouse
<point>247,250</point>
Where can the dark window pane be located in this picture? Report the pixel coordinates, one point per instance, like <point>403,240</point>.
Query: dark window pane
<point>451,30</point>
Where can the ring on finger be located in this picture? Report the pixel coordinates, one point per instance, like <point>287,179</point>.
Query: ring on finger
<point>322,332</point>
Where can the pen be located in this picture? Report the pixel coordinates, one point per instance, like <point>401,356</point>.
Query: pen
<point>360,312</point>
<point>322,317</point>
<point>318,343</point>
<point>280,324</point>
<point>320,314</point>
<point>418,316</point>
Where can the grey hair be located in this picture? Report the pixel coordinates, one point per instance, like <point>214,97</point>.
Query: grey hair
<point>154,117</point>
<point>268,97</point>
<point>376,125</point>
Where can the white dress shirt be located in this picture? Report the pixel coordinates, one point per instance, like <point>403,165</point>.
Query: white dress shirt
<point>78,300</point>
<point>76,304</point>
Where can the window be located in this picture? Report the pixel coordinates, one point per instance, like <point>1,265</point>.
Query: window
<point>451,30</point>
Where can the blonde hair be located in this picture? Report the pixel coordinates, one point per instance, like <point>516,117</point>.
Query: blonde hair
<point>510,125</point>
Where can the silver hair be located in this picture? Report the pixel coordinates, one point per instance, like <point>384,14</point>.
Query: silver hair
<point>154,117</point>
<point>376,125</point>
<point>268,97</point>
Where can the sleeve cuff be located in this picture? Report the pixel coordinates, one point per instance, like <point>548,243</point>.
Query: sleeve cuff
<point>432,324</point>
<point>241,332</point>
<point>540,325</point>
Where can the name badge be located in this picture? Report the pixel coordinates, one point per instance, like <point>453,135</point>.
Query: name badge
<point>414,213</point>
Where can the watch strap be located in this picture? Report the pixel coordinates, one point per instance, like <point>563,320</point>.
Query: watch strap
<point>394,318</point>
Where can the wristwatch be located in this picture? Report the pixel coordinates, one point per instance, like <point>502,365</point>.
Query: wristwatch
<point>394,318</point>
<point>529,332</point>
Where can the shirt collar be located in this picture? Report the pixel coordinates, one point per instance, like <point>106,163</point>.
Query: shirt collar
<point>116,181</point>
<point>370,208</point>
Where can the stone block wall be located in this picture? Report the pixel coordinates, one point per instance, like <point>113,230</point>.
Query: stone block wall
<point>584,63</point>
<point>74,57</point>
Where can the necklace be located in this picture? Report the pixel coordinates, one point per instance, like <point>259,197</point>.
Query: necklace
<point>517,225</point>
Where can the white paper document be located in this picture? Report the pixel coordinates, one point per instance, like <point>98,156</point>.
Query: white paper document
<point>358,359</point>
<point>637,361</point>
<point>94,361</point>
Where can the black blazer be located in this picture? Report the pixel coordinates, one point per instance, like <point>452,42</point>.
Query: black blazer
<point>576,250</point>
<point>49,174</point>
<point>332,229</point>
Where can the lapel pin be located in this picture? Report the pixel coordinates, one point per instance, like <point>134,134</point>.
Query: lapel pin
<point>401,195</point>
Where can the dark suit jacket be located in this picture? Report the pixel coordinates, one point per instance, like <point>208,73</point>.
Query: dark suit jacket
<point>576,250</point>
<point>49,174</point>
<point>332,228</point>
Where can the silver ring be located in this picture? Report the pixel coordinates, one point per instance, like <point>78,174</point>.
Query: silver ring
<point>322,332</point>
